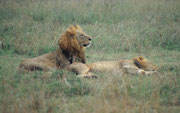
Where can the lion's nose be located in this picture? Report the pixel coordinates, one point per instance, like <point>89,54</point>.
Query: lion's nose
<point>90,39</point>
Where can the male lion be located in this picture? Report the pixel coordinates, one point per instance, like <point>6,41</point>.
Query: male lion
<point>72,46</point>
<point>138,65</point>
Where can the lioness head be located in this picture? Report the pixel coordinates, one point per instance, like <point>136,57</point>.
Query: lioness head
<point>142,63</point>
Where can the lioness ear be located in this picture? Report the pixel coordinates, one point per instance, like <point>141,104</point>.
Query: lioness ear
<point>141,58</point>
<point>140,62</point>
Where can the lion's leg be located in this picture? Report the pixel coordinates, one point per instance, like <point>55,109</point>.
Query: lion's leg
<point>31,65</point>
<point>133,70</point>
<point>82,57</point>
<point>82,70</point>
<point>151,73</point>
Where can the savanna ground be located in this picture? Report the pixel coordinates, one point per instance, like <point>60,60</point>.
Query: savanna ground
<point>120,29</point>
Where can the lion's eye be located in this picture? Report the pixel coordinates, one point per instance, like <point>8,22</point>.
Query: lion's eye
<point>81,35</point>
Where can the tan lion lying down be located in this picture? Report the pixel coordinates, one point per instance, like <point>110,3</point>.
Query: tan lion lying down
<point>72,44</point>
<point>137,65</point>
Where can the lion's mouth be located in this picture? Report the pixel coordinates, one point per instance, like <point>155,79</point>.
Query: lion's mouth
<point>87,45</point>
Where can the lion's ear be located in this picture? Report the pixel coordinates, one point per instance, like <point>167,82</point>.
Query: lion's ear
<point>69,34</point>
<point>71,31</point>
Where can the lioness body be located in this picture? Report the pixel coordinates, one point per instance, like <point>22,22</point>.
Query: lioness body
<point>72,45</point>
<point>104,66</point>
<point>137,65</point>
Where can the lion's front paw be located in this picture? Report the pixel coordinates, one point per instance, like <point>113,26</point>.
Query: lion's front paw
<point>90,76</point>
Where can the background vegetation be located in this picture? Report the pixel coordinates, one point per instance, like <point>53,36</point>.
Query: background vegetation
<point>120,29</point>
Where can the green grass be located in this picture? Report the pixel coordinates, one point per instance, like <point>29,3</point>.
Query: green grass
<point>120,29</point>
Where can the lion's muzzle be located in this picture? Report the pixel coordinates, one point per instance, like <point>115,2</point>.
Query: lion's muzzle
<point>87,45</point>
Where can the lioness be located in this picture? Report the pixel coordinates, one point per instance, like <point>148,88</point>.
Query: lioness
<point>138,65</point>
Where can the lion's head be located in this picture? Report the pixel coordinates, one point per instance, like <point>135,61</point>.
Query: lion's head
<point>74,39</point>
<point>142,63</point>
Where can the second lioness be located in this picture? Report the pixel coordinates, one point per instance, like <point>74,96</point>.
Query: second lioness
<point>138,65</point>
